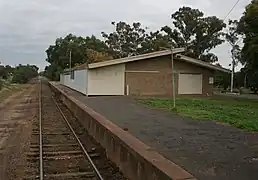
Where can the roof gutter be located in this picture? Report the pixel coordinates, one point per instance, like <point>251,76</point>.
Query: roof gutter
<point>135,58</point>
<point>202,63</point>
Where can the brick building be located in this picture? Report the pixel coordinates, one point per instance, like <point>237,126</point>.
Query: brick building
<point>148,74</point>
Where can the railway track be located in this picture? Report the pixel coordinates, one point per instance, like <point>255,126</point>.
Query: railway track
<point>56,151</point>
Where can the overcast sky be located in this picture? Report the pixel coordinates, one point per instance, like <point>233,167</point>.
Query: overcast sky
<point>28,27</point>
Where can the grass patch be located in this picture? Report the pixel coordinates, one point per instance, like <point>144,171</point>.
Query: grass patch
<point>239,113</point>
<point>10,89</point>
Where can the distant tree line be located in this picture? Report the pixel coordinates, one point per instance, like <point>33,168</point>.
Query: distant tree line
<point>19,74</point>
<point>223,80</point>
<point>246,29</point>
<point>198,33</point>
<point>192,30</point>
<point>24,73</point>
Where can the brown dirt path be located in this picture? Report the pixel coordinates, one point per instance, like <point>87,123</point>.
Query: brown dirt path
<point>16,114</point>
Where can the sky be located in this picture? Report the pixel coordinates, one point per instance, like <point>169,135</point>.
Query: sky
<point>28,27</point>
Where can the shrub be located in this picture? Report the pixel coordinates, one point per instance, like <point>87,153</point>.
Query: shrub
<point>22,74</point>
<point>1,84</point>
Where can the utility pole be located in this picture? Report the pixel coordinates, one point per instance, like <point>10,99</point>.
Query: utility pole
<point>173,78</point>
<point>232,75</point>
<point>70,60</point>
<point>172,75</point>
<point>245,80</point>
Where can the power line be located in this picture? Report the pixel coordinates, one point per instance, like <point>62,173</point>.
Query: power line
<point>233,61</point>
<point>223,19</point>
<point>231,9</point>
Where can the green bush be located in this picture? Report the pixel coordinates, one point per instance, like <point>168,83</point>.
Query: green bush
<point>1,84</point>
<point>22,74</point>
<point>20,77</point>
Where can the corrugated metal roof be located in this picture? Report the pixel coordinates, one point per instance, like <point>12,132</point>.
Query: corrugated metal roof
<point>134,58</point>
<point>150,55</point>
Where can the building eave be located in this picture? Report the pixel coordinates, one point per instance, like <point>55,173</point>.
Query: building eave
<point>202,63</point>
<point>135,58</point>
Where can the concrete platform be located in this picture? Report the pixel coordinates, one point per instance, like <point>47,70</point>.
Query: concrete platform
<point>206,149</point>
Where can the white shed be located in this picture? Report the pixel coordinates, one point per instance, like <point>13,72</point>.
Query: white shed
<point>105,81</point>
<point>79,83</point>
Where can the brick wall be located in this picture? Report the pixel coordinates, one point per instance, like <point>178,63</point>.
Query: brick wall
<point>153,76</point>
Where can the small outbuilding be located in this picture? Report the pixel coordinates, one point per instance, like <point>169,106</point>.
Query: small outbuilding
<point>147,74</point>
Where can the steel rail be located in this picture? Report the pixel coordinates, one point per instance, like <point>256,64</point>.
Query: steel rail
<point>78,140</point>
<point>40,134</point>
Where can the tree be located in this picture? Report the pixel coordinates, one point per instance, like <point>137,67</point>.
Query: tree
<point>58,55</point>
<point>95,56</point>
<point>23,73</point>
<point>155,41</point>
<point>129,40</point>
<point>198,34</point>
<point>126,40</point>
<point>2,71</point>
<point>248,27</point>
<point>232,37</point>
<point>5,71</point>
<point>222,80</point>
<point>239,79</point>
<point>52,72</point>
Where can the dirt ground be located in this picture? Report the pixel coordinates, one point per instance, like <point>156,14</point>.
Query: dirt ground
<point>207,149</point>
<point>16,114</point>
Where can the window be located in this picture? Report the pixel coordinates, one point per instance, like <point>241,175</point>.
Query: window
<point>72,75</point>
<point>211,80</point>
